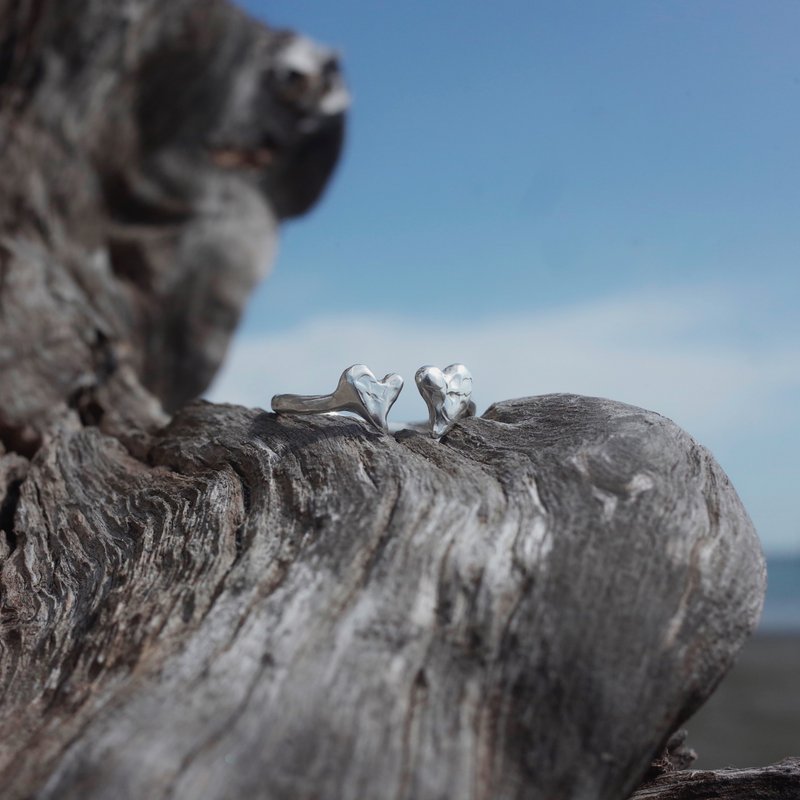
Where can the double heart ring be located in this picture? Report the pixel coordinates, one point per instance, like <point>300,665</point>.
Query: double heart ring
<point>447,394</point>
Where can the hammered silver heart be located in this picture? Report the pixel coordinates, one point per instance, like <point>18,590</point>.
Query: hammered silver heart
<point>447,393</point>
<point>361,392</point>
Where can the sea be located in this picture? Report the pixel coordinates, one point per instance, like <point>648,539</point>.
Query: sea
<point>782,604</point>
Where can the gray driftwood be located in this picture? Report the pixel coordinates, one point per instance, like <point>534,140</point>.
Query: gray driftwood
<point>778,782</point>
<point>147,152</point>
<point>260,606</point>
<point>228,604</point>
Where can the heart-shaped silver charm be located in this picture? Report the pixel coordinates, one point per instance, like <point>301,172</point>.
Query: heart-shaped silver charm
<point>362,393</point>
<point>447,393</point>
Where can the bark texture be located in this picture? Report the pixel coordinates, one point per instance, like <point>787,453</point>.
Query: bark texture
<point>228,604</point>
<point>778,782</point>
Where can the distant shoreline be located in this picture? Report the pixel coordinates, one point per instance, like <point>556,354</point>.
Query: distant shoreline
<point>753,719</point>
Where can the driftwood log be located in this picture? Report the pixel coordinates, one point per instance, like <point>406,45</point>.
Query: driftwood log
<point>779,782</point>
<point>202,601</point>
<point>148,152</point>
<point>302,607</point>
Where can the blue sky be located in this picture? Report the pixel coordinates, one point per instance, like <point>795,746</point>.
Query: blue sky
<point>602,198</point>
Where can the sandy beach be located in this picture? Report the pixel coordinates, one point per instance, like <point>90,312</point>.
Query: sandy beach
<point>753,719</point>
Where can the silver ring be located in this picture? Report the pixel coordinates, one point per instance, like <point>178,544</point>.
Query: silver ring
<point>448,394</point>
<point>358,391</point>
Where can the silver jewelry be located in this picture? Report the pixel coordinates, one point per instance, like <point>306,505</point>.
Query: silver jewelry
<point>358,391</point>
<point>447,393</point>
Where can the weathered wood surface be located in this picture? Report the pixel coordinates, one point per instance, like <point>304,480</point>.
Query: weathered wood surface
<point>147,152</point>
<point>233,605</point>
<point>281,607</point>
<point>778,782</point>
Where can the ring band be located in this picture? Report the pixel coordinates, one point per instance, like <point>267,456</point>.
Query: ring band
<point>358,391</point>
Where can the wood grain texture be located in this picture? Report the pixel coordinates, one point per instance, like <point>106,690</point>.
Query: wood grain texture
<point>778,782</point>
<point>278,607</point>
